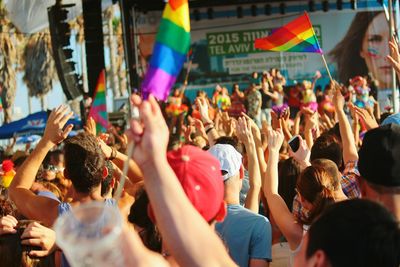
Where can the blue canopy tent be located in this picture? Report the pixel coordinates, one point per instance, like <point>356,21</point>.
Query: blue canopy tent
<point>32,124</point>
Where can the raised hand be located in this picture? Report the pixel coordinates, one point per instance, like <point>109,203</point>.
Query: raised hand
<point>39,236</point>
<point>338,99</point>
<point>150,134</point>
<point>55,131</point>
<point>254,128</point>
<point>311,121</point>
<point>244,132</point>
<point>107,150</point>
<point>366,117</point>
<point>203,109</point>
<point>302,155</point>
<point>275,140</point>
<point>90,126</point>
<point>7,225</point>
<point>187,130</point>
<point>200,127</point>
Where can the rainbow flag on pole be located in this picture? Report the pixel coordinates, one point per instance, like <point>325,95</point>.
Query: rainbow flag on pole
<point>170,50</point>
<point>98,110</point>
<point>296,36</point>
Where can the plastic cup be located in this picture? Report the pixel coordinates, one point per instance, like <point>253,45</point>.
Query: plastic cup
<point>90,235</point>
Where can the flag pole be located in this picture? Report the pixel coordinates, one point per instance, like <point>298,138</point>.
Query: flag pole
<point>326,67</point>
<point>188,71</point>
<point>131,147</point>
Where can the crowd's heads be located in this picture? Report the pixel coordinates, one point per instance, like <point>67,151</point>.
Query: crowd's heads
<point>379,156</point>
<point>14,254</point>
<point>84,162</point>
<point>229,158</point>
<point>56,158</point>
<point>317,185</point>
<point>200,176</point>
<point>327,146</point>
<point>352,233</point>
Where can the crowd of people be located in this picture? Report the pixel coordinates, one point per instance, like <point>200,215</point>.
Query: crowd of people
<point>273,175</point>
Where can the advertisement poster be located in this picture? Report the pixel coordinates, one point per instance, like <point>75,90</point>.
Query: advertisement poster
<point>355,42</point>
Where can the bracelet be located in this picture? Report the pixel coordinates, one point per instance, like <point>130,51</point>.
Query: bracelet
<point>113,154</point>
<point>209,129</point>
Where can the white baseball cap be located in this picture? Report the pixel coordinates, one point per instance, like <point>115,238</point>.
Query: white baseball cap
<point>229,158</point>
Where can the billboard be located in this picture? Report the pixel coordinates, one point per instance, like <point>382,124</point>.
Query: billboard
<point>355,42</point>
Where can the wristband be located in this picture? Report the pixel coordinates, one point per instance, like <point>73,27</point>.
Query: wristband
<point>209,129</point>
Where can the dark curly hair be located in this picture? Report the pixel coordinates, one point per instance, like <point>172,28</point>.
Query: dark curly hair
<point>84,162</point>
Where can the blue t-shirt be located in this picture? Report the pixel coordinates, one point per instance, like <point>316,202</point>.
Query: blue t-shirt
<point>248,235</point>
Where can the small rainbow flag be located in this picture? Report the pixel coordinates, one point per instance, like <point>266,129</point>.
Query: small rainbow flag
<point>170,50</point>
<point>296,36</point>
<point>98,110</point>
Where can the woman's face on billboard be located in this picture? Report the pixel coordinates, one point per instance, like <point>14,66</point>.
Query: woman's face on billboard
<point>375,48</point>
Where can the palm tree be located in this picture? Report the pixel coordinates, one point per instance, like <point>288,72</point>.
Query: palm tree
<point>39,66</point>
<point>8,59</point>
<point>110,41</point>
<point>120,66</point>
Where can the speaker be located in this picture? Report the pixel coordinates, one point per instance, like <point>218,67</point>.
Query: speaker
<point>60,33</point>
<point>94,41</point>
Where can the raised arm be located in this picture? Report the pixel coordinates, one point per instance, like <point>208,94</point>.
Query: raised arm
<point>175,215</point>
<point>119,159</point>
<point>281,213</point>
<point>30,205</point>
<point>243,131</point>
<point>349,146</point>
<point>258,143</point>
<point>208,123</point>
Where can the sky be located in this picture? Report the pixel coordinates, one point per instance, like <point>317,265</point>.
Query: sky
<point>56,96</point>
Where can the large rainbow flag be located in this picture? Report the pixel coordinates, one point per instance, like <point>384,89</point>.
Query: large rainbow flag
<point>296,36</point>
<point>170,50</point>
<point>98,110</point>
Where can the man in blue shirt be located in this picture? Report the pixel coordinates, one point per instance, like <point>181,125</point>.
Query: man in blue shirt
<point>247,234</point>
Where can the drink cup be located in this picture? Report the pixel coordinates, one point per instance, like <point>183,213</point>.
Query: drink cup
<point>90,235</point>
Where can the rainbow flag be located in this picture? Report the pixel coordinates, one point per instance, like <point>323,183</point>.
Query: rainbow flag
<point>296,36</point>
<point>98,110</point>
<point>170,50</point>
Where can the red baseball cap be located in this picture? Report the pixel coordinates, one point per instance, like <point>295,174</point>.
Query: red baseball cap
<point>200,176</point>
